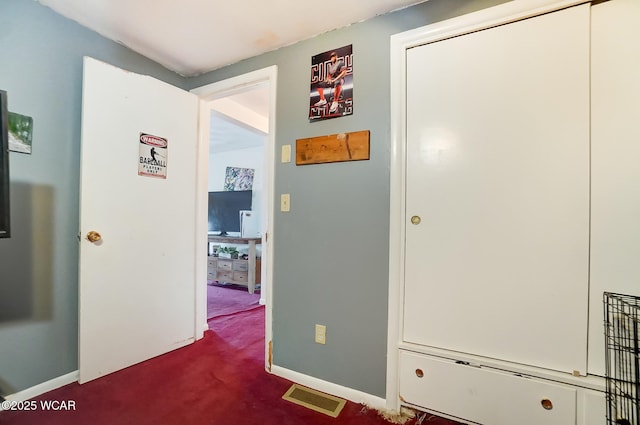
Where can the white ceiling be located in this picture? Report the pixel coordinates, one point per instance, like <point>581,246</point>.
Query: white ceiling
<point>230,135</point>
<point>192,37</point>
<point>240,121</point>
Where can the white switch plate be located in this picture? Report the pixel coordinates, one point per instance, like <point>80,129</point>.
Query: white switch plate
<point>321,334</point>
<point>285,202</point>
<point>286,153</point>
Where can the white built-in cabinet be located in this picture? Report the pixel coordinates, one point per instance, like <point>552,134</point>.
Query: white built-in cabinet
<point>615,161</point>
<point>518,183</point>
<point>498,173</point>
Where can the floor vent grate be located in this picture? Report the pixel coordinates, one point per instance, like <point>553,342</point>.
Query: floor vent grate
<point>315,400</point>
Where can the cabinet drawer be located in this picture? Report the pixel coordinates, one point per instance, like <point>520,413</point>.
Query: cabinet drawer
<point>241,265</point>
<point>225,275</point>
<point>241,277</point>
<point>225,264</point>
<point>212,263</point>
<point>482,395</point>
<point>212,275</point>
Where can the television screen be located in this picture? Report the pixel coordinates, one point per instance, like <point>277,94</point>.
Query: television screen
<point>224,210</point>
<point>4,167</point>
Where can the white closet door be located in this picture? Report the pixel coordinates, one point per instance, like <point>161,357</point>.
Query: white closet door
<point>498,172</point>
<point>615,234</point>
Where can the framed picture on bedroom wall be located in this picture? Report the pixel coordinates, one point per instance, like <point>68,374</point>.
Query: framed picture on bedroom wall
<point>4,167</point>
<point>331,92</point>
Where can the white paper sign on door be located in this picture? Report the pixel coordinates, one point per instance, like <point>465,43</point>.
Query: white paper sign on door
<point>153,156</point>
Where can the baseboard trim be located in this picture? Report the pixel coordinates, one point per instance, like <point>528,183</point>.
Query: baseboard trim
<point>297,377</point>
<point>44,387</point>
<point>204,328</point>
<point>330,388</point>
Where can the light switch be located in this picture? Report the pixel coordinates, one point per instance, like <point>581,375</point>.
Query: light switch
<point>285,202</point>
<point>321,334</point>
<point>286,153</point>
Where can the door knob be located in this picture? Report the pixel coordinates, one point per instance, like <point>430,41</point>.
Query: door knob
<point>416,219</point>
<point>546,403</point>
<point>93,236</point>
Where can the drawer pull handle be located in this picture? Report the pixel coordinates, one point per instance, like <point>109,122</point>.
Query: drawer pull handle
<point>546,404</point>
<point>419,373</point>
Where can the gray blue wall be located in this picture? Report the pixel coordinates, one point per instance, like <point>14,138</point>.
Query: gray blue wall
<point>41,70</point>
<point>331,250</point>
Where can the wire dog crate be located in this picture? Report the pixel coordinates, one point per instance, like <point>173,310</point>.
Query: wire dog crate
<point>622,324</point>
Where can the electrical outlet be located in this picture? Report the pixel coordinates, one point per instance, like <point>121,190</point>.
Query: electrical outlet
<point>286,153</point>
<point>285,202</point>
<point>321,334</point>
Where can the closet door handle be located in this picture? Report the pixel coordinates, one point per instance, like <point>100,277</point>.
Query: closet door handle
<point>94,236</point>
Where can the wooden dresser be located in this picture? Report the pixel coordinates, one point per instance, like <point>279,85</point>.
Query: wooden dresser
<point>237,271</point>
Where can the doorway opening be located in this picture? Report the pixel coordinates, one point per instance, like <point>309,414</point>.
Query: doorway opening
<point>237,125</point>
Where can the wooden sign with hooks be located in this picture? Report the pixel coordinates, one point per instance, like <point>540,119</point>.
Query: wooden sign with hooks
<point>340,147</point>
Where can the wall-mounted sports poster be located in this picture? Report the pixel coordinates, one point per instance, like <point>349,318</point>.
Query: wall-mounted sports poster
<point>153,156</point>
<point>331,84</point>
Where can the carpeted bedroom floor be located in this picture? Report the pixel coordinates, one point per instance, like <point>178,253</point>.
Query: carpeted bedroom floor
<point>223,299</point>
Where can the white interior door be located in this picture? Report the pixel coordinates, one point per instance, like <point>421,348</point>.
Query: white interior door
<point>137,283</point>
<point>498,172</point>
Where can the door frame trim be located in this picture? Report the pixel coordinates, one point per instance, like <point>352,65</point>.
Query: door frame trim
<point>399,44</point>
<point>207,93</point>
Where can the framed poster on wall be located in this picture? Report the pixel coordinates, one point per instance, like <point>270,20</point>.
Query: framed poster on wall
<point>4,166</point>
<point>331,93</point>
<point>20,133</point>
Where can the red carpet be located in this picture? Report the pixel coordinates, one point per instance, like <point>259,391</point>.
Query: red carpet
<point>229,299</point>
<point>219,380</point>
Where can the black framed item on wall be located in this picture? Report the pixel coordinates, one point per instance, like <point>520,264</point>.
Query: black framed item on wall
<point>4,167</point>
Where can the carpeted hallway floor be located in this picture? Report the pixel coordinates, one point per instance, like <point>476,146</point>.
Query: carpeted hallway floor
<point>219,380</point>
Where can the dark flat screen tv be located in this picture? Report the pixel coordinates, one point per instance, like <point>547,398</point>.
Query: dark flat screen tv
<point>4,167</point>
<point>224,210</point>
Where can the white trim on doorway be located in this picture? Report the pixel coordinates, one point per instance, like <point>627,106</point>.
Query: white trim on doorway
<point>207,94</point>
